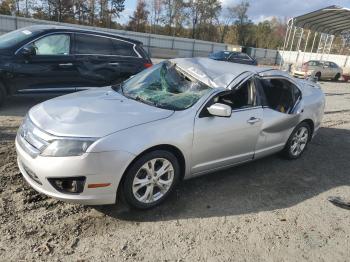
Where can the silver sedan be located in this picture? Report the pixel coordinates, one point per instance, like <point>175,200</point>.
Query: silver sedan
<point>178,119</point>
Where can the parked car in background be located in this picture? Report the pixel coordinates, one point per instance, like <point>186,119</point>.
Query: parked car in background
<point>321,70</point>
<point>63,59</point>
<point>234,57</point>
<point>177,119</point>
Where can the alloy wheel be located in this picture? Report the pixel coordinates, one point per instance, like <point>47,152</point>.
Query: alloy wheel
<point>299,141</point>
<point>153,180</point>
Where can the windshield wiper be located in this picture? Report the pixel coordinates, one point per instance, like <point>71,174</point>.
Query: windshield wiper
<point>138,98</point>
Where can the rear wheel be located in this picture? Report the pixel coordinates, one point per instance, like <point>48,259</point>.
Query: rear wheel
<point>297,141</point>
<point>337,77</point>
<point>318,76</point>
<point>151,179</point>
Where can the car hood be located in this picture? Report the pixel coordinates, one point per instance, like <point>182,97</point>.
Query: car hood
<point>93,113</point>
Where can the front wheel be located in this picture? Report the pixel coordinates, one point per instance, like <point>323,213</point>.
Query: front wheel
<point>151,179</point>
<point>297,141</point>
<point>318,76</point>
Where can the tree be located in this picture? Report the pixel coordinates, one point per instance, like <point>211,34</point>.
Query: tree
<point>202,15</point>
<point>6,7</point>
<point>224,21</point>
<point>116,7</point>
<point>156,8</point>
<point>242,22</point>
<point>173,17</point>
<point>138,21</point>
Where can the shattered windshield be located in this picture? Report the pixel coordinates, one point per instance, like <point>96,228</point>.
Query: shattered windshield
<point>166,86</point>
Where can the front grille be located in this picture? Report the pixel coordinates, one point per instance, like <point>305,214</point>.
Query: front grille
<point>32,139</point>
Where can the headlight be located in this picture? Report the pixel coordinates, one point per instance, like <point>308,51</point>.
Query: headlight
<point>67,147</point>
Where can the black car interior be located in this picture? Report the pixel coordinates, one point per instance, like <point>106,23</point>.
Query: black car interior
<point>276,93</point>
<point>280,94</point>
<point>243,97</point>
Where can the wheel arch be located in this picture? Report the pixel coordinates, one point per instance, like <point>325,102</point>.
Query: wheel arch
<point>171,148</point>
<point>311,125</point>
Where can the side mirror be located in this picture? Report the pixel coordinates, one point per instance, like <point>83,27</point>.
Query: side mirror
<point>28,51</point>
<point>219,109</point>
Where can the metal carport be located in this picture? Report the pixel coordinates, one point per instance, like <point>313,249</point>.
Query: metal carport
<point>327,22</point>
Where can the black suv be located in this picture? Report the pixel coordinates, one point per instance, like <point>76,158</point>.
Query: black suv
<point>64,59</point>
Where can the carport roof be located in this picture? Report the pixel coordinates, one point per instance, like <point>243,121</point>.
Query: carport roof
<point>331,20</point>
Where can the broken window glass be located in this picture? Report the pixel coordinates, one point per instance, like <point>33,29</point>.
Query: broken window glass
<point>166,86</point>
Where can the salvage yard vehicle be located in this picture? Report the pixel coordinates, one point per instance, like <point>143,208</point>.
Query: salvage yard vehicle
<point>58,59</point>
<point>234,57</point>
<point>178,119</point>
<point>321,70</point>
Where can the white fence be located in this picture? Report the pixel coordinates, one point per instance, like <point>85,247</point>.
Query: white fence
<point>273,57</point>
<point>157,45</point>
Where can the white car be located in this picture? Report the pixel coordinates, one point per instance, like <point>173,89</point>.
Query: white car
<point>321,70</point>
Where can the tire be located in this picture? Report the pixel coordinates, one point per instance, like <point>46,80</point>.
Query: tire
<point>337,77</point>
<point>297,143</point>
<point>318,76</point>
<point>151,192</point>
<point>2,94</point>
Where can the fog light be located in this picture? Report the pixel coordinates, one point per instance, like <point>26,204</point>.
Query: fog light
<point>68,185</point>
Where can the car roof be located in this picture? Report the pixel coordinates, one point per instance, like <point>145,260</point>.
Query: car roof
<point>55,28</point>
<point>218,73</point>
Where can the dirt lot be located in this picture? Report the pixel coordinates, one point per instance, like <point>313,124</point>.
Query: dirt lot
<point>269,210</point>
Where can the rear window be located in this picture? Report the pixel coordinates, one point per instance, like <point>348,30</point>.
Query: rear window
<point>313,63</point>
<point>89,44</point>
<point>123,48</point>
<point>99,45</point>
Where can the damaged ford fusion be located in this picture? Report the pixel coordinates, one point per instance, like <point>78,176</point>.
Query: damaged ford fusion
<point>176,120</point>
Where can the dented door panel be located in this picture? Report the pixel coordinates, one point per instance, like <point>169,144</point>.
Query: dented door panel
<point>275,131</point>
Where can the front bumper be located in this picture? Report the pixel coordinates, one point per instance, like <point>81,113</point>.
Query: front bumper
<point>301,74</point>
<point>103,167</point>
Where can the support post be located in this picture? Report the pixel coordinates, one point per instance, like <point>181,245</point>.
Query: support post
<point>307,40</point>
<point>285,44</point>
<point>194,43</point>
<point>291,45</point>
<point>330,46</point>
<point>149,44</point>
<point>298,45</point>
<point>312,46</point>
<point>324,46</point>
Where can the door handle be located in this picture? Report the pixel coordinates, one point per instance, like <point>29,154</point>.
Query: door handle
<point>253,120</point>
<point>65,65</point>
<point>113,63</point>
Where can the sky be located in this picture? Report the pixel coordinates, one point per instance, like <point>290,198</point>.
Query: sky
<point>260,10</point>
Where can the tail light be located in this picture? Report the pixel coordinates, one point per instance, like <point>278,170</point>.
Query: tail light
<point>147,65</point>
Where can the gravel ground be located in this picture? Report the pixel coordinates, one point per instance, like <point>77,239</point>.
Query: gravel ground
<point>269,210</point>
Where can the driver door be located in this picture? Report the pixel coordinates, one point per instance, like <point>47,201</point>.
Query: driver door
<point>51,69</point>
<point>224,141</point>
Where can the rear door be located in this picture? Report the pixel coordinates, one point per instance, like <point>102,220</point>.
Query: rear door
<point>279,117</point>
<point>103,60</point>
<point>327,70</point>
